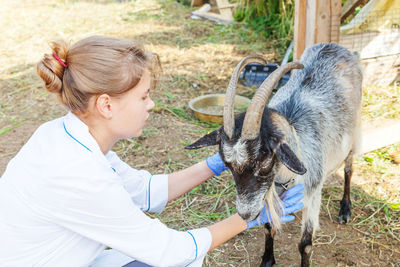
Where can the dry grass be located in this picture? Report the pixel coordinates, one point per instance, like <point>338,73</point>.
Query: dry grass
<point>381,102</point>
<point>198,57</point>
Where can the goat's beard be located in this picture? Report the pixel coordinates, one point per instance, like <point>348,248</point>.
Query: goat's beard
<point>275,206</point>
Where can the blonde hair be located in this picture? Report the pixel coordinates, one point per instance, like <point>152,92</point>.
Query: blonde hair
<point>94,66</point>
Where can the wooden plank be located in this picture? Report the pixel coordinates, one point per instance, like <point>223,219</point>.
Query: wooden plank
<point>336,9</point>
<point>311,27</point>
<point>203,9</point>
<point>228,6</point>
<point>381,71</point>
<point>379,134</point>
<point>226,13</point>
<point>299,28</point>
<point>323,22</point>
<point>212,16</point>
<point>348,8</point>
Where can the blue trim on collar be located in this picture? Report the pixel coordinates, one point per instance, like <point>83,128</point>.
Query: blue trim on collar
<point>148,208</point>
<point>194,239</point>
<point>75,138</point>
<point>92,152</point>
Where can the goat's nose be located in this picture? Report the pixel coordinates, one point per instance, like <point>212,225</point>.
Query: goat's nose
<point>245,216</point>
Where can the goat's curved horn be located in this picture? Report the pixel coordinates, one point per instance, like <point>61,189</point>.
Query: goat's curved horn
<point>229,114</point>
<point>252,120</point>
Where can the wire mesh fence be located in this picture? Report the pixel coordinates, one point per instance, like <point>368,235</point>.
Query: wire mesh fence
<point>375,37</point>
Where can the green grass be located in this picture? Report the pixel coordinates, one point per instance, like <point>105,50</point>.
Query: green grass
<point>375,218</point>
<point>192,52</point>
<point>381,102</point>
<point>9,119</point>
<point>217,194</point>
<point>7,129</point>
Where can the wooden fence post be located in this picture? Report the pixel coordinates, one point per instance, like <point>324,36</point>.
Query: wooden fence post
<point>299,42</point>
<point>336,10</point>
<point>316,21</point>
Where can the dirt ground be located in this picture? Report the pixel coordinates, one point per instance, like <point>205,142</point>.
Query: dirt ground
<point>198,57</point>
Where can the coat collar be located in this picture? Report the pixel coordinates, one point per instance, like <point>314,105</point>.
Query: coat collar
<point>79,132</point>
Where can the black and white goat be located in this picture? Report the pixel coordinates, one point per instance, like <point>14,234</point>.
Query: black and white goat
<point>309,128</point>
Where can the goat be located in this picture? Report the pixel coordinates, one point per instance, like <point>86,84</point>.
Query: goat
<point>309,128</point>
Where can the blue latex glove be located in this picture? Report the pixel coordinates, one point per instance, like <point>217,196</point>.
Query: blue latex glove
<point>291,204</point>
<point>215,164</point>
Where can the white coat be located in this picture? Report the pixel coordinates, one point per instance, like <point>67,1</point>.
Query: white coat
<point>62,202</point>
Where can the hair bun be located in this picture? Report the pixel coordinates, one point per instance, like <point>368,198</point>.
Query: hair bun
<point>50,69</point>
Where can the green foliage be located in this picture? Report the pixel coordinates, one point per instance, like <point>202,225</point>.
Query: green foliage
<point>272,18</point>
<point>184,2</point>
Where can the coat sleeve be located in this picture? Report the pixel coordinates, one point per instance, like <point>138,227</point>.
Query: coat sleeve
<point>148,192</point>
<point>102,210</point>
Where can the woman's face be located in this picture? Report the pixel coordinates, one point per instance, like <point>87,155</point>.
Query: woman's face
<point>132,109</point>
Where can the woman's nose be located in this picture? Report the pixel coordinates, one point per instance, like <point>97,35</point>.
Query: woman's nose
<point>151,105</point>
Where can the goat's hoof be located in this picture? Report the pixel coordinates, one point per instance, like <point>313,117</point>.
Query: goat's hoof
<point>345,211</point>
<point>269,263</point>
<point>344,219</point>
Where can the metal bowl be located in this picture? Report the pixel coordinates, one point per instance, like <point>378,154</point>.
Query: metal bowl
<point>211,107</point>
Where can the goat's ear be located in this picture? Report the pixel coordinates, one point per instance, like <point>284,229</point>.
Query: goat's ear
<point>210,139</point>
<point>289,159</point>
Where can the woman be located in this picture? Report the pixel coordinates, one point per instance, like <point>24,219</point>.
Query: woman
<point>66,196</point>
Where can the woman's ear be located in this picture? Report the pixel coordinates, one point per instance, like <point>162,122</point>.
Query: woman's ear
<point>103,106</point>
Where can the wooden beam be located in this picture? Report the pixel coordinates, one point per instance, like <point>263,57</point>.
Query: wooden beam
<point>311,13</point>
<point>226,13</point>
<point>227,6</point>
<point>348,8</point>
<point>379,134</point>
<point>336,9</point>
<point>316,21</point>
<point>213,16</point>
<point>323,22</point>
<point>224,16</point>
<point>299,28</point>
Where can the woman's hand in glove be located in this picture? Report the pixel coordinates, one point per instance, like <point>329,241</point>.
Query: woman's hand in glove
<point>291,203</point>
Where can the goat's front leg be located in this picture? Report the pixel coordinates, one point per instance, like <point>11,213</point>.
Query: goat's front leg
<point>268,259</point>
<point>305,246</point>
<point>312,203</point>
